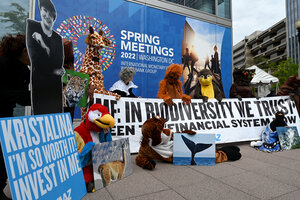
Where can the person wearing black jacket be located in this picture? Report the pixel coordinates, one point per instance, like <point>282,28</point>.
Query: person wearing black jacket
<point>14,84</point>
<point>15,79</point>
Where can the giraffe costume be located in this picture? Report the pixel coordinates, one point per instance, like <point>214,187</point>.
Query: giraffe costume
<point>91,64</point>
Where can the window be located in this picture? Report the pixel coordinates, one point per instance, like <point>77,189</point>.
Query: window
<point>181,2</point>
<point>224,9</point>
<point>202,5</point>
<point>14,14</point>
<point>207,6</point>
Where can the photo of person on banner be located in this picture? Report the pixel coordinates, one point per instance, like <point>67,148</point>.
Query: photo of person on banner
<point>45,48</point>
<point>200,39</point>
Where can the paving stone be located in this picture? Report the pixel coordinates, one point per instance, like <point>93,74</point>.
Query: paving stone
<point>219,170</point>
<point>258,185</point>
<point>137,184</point>
<point>212,190</point>
<point>165,195</point>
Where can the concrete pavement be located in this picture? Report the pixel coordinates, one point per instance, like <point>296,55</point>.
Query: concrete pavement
<point>257,175</point>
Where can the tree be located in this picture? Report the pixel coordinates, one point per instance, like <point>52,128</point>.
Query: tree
<point>266,65</point>
<point>16,17</point>
<point>285,69</point>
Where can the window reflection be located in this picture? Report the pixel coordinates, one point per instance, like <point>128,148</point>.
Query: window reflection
<point>13,15</point>
<point>181,2</point>
<point>208,6</point>
<point>224,8</point>
<point>203,5</point>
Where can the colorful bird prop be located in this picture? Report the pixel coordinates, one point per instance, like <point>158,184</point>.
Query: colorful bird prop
<point>93,130</point>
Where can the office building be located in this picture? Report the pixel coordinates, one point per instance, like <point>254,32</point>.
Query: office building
<point>213,11</point>
<point>292,16</point>
<point>269,44</point>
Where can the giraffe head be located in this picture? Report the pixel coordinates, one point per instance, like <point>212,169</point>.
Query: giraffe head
<point>94,39</point>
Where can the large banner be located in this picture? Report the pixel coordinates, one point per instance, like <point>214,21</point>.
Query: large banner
<point>147,39</point>
<point>231,120</point>
<point>41,157</point>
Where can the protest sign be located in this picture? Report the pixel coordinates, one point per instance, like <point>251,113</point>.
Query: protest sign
<point>111,162</point>
<point>198,149</point>
<point>41,157</point>
<point>288,137</point>
<point>231,120</point>
<point>75,88</point>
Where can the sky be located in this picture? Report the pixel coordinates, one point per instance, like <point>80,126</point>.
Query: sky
<point>249,16</point>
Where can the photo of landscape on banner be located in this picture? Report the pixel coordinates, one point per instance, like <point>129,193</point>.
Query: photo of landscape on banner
<point>141,39</point>
<point>288,137</point>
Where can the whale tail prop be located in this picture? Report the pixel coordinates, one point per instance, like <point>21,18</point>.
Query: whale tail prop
<point>195,148</point>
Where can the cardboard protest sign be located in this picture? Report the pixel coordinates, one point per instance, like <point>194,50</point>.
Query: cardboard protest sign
<point>288,137</point>
<point>196,149</point>
<point>111,162</point>
<point>75,88</point>
<point>41,157</point>
<point>46,53</point>
<point>231,120</point>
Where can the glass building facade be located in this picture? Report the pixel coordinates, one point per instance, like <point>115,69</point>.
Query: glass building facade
<point>292,16</point>
<point>220,8</point>
<point>218,12</point>
<point>13,15</point>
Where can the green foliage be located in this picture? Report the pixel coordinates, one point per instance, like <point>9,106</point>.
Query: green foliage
<point>259,60</point>
<point>284,69</point>
<point>16,17</point>
<point>265,66</point>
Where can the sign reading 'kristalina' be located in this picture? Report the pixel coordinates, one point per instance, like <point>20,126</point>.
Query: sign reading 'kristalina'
<point>41,157</point>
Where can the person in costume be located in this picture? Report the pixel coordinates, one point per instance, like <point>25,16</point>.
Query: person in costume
<point>241,83</point>
<point>206,89</point>
<point>157,145</point>
<point>14,84</point>
<point>171,87</point>
<point>291,87</point>
<point>124,86</point>
<point>14,63</point>
<point>96,128</point>
<point>270,140</point>
<point>45,48</point>
<point>92,66</point>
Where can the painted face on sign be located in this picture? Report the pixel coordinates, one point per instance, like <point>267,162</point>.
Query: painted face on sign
<point>47,18</point>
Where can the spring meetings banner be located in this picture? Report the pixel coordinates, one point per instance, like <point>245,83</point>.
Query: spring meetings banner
<point>41,157</point>
<point>147,39</point>
<point>230,120</point>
